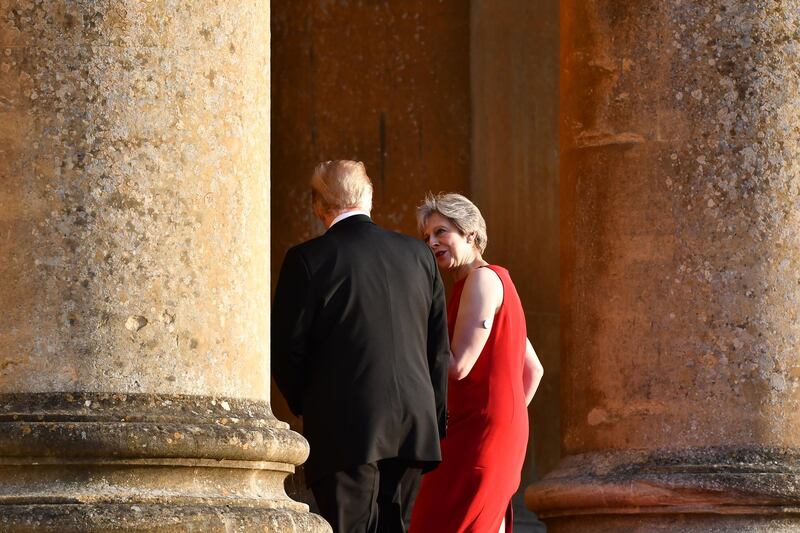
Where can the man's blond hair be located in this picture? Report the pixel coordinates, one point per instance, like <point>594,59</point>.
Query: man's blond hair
<point>342,184</point>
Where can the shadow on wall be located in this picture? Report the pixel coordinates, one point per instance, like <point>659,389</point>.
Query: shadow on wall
<point>432,96</point>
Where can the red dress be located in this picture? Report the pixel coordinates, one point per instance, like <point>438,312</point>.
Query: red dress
<point>487,431</point>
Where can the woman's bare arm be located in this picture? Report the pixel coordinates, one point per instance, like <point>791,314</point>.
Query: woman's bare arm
<point>480,300</point>
<point>532,372</point>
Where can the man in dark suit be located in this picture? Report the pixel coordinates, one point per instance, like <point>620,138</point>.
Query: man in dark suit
<point>360,350</point>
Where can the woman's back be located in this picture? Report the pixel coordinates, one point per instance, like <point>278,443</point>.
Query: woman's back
<point>487,431</point>
<point>494,385</point>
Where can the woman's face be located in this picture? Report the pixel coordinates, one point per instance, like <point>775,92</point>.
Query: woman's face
<point>448,244</point>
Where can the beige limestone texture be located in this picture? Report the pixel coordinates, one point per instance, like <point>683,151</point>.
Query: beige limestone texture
<point>134,259</point>
<point>134,196</point>
<point>684,234</point>
<point>680,243</point>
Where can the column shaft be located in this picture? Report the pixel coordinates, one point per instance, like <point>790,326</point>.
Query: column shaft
<point>134,257</point>
<point>680,224</point>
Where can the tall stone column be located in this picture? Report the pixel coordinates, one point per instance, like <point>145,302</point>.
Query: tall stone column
<point>134,270</point>
<point>680,259</point>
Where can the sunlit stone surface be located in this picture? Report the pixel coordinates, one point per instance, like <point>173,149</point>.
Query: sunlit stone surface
<point>680,239</point>
<point>134,259</point>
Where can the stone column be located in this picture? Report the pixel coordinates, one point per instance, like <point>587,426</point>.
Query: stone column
<point>134,270</point>
<point>680,258</point>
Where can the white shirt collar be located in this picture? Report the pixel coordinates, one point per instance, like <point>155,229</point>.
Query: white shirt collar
<point>346,214</point>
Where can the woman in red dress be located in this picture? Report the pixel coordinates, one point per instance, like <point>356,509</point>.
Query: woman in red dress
<point>494,373</point>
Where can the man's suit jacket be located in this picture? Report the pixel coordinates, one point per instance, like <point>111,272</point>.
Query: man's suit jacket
<point>360,346</point>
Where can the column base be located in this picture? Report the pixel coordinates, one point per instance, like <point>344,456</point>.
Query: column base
<point>116,462</point>
<point>699,489</point>
<point>155,518</point>
<point>672,523</point>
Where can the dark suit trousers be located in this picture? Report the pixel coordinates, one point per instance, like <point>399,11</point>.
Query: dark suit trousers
<point>370,498</point>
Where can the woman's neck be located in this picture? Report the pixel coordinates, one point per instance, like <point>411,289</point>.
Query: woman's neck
<point>463,271</point>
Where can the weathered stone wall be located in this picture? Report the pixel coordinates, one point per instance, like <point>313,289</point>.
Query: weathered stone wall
<point>514,73</point>
<point>680,218</point>
<point>383,82</point>
<point>433,96</point>
<point>134,197</point>
<point>134,283</point>
<point>680,162</point>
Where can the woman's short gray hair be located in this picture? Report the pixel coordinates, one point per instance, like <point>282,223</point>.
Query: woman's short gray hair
<point>459,210</point>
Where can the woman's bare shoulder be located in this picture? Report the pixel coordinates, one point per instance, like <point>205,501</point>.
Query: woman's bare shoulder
<point>485,282</point>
